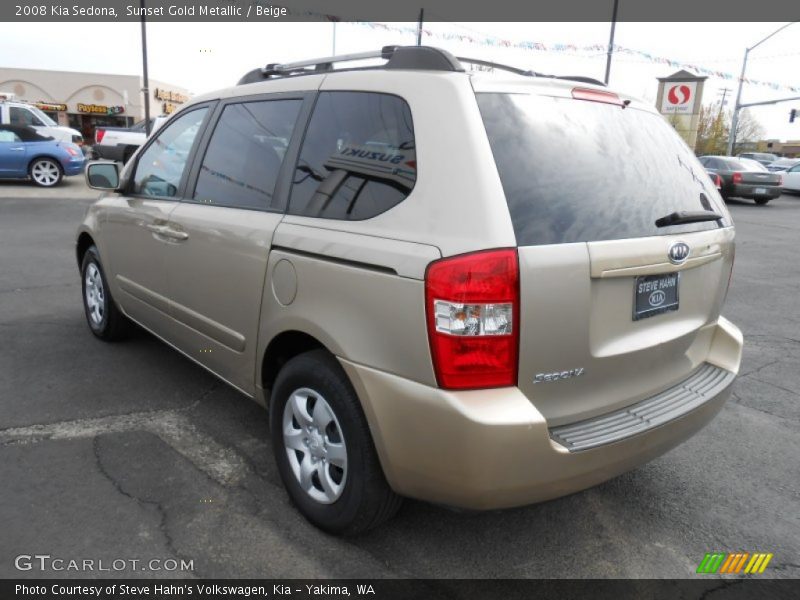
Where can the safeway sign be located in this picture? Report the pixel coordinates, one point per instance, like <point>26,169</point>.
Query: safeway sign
<point>679,97</point>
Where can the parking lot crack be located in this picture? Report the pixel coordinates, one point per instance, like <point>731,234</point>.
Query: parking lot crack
<point>163,527</point>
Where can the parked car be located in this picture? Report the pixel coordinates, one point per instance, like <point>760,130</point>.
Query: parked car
<point>744,178</point>
<point>26,154</point>
<point>764,158</point>
<point>23,114</point>
<point>782,164</point>
<point>119,143</point>
<point>477,330</point>
<point>791,179</point>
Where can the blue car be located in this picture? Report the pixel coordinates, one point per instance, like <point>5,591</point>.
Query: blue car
<point>24,154</point>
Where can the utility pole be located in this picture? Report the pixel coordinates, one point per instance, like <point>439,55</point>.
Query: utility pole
<point>738,106</point>
<point>333,51</point>
<point>611,41</point>
<point>145,78</point>
<point>419,26</point>
<point>724,92</point>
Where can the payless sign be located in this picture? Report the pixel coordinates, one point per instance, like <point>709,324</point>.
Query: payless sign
<point>679,97</point>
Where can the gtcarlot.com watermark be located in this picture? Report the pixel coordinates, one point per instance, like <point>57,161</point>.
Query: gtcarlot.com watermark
<point>46,562</point>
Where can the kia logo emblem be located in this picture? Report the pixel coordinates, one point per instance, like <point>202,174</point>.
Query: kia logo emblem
<point>678,253</point>
<point>657,298</point>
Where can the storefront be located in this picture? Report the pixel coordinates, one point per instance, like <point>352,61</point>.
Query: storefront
<point>86,101</point>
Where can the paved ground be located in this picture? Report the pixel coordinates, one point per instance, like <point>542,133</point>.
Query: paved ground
<point>130,451</point>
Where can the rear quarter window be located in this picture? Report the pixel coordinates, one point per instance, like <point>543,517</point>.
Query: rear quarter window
<point>358,157</point>
<point>579,171</point>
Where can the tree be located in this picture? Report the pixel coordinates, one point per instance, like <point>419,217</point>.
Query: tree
<point>714,126</point>
<point>748,129</point>
<point>712,130</point>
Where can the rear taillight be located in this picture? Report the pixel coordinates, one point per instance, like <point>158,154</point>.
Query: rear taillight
<point>597,96</point>
<point>98,135</point>
<point>718,181</point>
<point>72,151</point>
<point>472,306</point>
<point>737,178</point>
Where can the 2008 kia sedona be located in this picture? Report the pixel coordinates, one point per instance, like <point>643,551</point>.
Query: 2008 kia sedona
<point>431,300</point>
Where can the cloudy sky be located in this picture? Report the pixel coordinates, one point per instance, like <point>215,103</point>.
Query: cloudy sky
<point>206,56</point>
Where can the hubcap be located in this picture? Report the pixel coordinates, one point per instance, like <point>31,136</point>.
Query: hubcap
<point>315,445</point>
<point>94,294</point>
<point>45,172</point>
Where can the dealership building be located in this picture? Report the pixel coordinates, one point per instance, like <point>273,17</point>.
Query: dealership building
<point>88,100</point>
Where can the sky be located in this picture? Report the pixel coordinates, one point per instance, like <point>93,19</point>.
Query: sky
<point>207,56</point>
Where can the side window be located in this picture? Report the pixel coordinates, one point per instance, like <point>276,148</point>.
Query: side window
<point>358,158</point>
<point>22,116</point>
<point>160,168</point>
<point>9,136</point>
<point>240,167</point>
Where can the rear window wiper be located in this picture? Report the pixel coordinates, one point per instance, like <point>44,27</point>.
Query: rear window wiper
<point>688,216</point>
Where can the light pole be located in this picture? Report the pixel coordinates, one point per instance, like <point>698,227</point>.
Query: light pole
<point>611,41</point>
<point>738,105</point>
<point>145,78</point>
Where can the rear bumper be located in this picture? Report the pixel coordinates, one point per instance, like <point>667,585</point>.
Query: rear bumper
<point>749,191</point>
<point>490,449</point>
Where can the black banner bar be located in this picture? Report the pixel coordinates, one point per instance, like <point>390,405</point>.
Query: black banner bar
<point>736,588</point>
<point>407,11</point>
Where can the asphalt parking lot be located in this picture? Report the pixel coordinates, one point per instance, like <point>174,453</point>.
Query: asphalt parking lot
<point>130,451</point>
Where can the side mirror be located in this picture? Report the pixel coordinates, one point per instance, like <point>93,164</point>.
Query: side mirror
<point>103,175</point>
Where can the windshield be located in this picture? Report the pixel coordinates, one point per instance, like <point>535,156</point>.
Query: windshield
<point>44,118</point>
<point>579,171</point>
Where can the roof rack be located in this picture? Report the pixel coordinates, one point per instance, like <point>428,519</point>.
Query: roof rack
<point>528,73</point>
<point>397,57</point>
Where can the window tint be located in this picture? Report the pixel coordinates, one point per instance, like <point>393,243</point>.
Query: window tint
<point>160,168</point>
<point>358,158</point>
<point>9,136</point>
<point>22,116</point>
<point>257,134</point>
<point>578,171</point>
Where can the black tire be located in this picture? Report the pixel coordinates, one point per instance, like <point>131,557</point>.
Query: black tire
<point>366,500</point>
<point>762,201</point>
<point>111,325</point>
<point>45,172</point>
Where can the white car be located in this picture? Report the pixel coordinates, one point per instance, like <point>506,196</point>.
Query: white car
<point>791,179</point>
<point>22,113</point>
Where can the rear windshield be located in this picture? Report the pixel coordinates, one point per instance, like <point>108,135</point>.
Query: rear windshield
<point>579,171</point>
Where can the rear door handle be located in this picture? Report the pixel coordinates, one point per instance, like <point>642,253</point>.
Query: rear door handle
<point>17,149</point>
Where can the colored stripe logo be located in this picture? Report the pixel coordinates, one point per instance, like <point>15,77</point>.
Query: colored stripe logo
<point>734,562</point>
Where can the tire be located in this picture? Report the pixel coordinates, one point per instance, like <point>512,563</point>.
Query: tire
<point>104,318</point>
<point>46,172</point>
<point>332,445</point>
<point>762,201</point>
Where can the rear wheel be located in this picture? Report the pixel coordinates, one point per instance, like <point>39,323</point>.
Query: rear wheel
<point>127,155</point>
<point>324,450</point>
<point>104,318</point>
<point>762,201</point>
<point>46,172</point>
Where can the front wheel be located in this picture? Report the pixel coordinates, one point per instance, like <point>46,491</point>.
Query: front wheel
<point>104,318</point>
<point>46,172</point>
<point>324,450</point>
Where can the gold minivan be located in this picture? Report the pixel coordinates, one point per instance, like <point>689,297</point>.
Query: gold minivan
<point>477,289</point>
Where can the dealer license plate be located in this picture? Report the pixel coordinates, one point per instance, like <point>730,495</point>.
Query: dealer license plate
<point>654,295</point>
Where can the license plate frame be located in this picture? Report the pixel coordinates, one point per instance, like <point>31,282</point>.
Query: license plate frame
<point>760,191</point>
<point>646,296</point>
